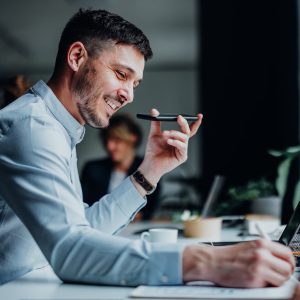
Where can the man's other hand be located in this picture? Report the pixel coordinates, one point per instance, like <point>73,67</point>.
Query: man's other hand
<point>251,264</point>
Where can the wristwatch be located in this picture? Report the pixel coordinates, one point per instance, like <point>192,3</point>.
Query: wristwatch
<point>143,182</point>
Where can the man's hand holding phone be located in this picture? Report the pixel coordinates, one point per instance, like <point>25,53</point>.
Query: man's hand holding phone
<point>167,149</point>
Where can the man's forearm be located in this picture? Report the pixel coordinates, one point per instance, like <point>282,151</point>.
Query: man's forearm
<point>115,210</point>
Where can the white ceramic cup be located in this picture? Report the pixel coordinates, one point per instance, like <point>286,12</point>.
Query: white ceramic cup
<point>160,235</point>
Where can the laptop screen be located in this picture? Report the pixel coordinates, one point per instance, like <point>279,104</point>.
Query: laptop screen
<point>291,235</point>
<point>213,196</point>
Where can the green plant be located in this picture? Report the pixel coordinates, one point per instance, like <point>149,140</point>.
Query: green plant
<point>238,194</point>
<point>287,155</point>
<point>252,190</point>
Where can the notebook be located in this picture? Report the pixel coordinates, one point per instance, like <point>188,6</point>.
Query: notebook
<point>209,292</point>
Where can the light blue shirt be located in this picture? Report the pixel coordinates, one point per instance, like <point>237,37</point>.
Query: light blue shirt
<point>42,215</point>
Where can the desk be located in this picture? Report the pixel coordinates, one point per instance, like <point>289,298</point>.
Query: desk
<point>44,285</point>
<point>49,287</point>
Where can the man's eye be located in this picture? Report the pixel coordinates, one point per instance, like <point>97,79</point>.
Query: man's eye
<point>121,75</point>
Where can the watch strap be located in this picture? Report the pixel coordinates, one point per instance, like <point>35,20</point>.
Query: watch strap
<point>143,182</point>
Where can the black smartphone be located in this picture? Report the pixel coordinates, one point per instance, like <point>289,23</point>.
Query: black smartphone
<point>166,117</point>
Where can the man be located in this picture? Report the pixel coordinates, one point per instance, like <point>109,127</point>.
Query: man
<point>100,62</point>
<point>99,177</point>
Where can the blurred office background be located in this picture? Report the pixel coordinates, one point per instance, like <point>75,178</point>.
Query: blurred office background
<point>235,61</point>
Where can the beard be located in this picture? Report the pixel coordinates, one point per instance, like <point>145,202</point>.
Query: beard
<point>87,108</point>
<point>88,98</point>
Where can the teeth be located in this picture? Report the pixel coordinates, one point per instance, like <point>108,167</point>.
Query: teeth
<point>113,104</point>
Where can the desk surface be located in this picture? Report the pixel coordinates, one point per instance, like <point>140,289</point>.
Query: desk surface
<point>44,285</point>
<point>228,234</point>
<point>48,287</point>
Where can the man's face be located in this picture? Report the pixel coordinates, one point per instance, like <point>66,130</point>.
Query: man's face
<point>106,83</point>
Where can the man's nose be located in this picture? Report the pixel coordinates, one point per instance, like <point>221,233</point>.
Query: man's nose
<point>126,93</point>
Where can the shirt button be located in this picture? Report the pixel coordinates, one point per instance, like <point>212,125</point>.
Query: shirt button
<point>164,279</point>
<point>123,282</point>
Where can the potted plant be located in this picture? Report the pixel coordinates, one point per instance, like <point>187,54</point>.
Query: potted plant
<point>254,197</point>
<point>287,155</point>
<point>258,197</point>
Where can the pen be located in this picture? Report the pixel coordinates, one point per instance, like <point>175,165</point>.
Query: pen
<point>261,232</point>
<point>265,236</point>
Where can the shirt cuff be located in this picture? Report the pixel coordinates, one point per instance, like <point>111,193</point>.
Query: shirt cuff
<point>165,264</point>
<point>128,198</point>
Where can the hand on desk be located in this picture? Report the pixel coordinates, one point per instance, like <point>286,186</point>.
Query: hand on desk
<point>251,264</point>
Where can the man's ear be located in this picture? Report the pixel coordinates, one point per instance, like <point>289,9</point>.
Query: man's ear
<point>77,55</point>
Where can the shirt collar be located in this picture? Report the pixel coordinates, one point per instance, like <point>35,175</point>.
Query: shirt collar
<point>72,126</point>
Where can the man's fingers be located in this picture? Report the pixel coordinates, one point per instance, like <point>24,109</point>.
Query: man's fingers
<point>180,146</point>
<point>271,277</point>
<point>155,125</point>
<point>173,134</point>
<point>154,112</point>
<point>184,125</point>
<point>271,261</point>
<point>279,251</point>
<point>281,267</point>
<point>195,125</point>
<point>275,270</point>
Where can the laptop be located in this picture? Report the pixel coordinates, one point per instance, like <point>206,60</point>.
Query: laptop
<point>213,196</point>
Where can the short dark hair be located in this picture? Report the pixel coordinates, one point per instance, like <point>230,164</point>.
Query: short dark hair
<point>126,123</point>
<point>96,27</point>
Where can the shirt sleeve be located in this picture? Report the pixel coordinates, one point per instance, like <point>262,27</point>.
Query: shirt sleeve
<point>35,182</point>
<point>115,210</point>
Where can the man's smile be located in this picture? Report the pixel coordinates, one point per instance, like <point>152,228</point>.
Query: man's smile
<point>114,103</point>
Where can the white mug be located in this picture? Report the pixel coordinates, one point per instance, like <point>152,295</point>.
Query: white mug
<point>160,235</point>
